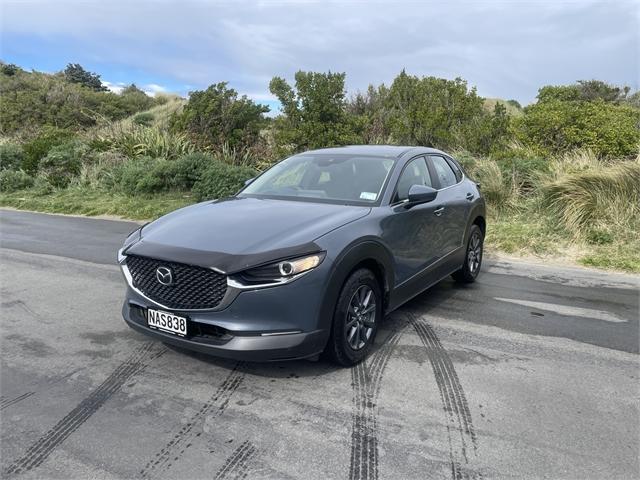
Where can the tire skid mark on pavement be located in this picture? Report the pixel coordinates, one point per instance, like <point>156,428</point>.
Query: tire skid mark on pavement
<point>7,402</point>
<point>45,445</point>
<point>237,465</point>
<point>454,402</point>
<point>182,440</point>
<point>366,381</point>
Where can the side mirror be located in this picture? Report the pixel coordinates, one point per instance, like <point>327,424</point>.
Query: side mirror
<point>420,194</point>
<point>247,182</point>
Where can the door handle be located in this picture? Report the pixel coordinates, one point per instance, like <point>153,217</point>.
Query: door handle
<point>438,211</point>
<point>470,196</point>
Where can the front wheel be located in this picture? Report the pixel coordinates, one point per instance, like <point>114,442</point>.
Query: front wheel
<point>355,321</point>
<point>473,257</point>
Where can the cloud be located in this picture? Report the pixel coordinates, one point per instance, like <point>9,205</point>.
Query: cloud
<point>152,89</point>
<point>114,87</point>
<point>506,49</point>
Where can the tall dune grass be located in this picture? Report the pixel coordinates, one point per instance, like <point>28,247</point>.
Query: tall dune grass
<point>586,193</point>
<point>153,140</point>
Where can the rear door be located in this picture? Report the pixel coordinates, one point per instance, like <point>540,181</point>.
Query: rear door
<point>451,201</point>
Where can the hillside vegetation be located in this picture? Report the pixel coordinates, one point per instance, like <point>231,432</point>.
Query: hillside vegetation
<point>560,176</point>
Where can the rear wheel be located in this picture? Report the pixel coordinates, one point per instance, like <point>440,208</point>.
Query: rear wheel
<point>473,257</point>
<point>355,320</point>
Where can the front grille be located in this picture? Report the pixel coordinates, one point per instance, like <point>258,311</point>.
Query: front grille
<point>192,288</point>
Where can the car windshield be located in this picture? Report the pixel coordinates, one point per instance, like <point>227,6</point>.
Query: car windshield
<point>337,178</point>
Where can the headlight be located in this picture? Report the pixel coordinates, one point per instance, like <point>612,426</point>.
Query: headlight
<point>276,273</point>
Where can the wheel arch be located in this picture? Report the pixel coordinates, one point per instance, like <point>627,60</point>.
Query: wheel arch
<point>369,254</point>
<point>477,216</point>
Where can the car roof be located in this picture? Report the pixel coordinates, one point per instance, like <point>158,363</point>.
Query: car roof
<point>395,151</point>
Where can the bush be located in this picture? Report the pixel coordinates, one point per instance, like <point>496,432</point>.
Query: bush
<point>218,115</point>
<point>11,157</point>
<point>556,127</point>
<point>39,147</point>
<point>63,162</point>
<point>127,175</point>
<point>12,180</point>
<point>523,165</point>
<point>221,180</point>
<point>146,175</point>
<point>187,170</point>
<point>145,119</point>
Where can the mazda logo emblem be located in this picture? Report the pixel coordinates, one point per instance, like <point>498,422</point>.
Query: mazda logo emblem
<point>164,275</point>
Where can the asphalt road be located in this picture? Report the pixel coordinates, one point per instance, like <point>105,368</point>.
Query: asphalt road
<point>532,372</point>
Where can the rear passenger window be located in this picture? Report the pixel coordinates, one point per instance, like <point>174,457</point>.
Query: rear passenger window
<point>445,175</point>
<point>455,168</point>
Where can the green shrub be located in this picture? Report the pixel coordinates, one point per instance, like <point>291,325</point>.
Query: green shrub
<point>63,162</point>
<point>188,169</point>
<point>523,166</point>
<point>146,175</point>
<point>12,180</point>
<point>218,115</point>
<point>127,175</point>
<point>599,236</point>
<point>221,180</point>
<point>144,118</point>
<point>556,126</point>
<point>38,148</point>
<point>11,156</point>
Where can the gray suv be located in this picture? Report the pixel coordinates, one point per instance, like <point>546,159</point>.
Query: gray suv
<point>308,257</point>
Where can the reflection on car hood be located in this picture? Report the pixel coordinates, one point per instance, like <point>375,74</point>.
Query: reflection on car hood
<point>237,233</point>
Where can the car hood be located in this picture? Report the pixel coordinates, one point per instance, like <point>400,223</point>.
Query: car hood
<point>237,233</point>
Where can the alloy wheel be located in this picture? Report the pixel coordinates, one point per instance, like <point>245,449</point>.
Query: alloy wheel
<point>474,254</point>
<point>361,317</point>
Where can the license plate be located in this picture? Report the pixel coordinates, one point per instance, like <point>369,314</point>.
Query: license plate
<point>167,322</point>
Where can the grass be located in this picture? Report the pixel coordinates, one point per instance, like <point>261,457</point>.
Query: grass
<point>92,202</point>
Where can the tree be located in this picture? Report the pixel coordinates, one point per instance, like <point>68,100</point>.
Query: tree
<point>218,115</point>
<point>583,90</point>
<point>588,114</point>
<point>608,129</point>
<point>431,111</point>
<point>135,100</point>
<point>314,113</point>
<point>595,89</point>
<point>32,100</point>
<point>9,69</point>
<point>514,103</point>
<point>370,109</point>
<point>74,73</point>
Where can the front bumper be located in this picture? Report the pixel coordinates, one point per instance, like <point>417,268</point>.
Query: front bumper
<point>277,323</point>
<point>236,345</point>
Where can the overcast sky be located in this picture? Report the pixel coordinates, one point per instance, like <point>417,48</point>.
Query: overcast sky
<point>506,49</point>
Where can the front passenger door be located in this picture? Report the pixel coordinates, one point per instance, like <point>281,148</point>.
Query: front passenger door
<point>413,234</point>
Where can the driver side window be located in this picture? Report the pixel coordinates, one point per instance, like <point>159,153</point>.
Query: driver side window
<point>414,173</point>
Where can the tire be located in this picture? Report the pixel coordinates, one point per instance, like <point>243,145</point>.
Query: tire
<point>354,328</point>
<point>472,257</point>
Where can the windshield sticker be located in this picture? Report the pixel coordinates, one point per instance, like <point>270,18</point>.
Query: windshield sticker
<point>368,196</point>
